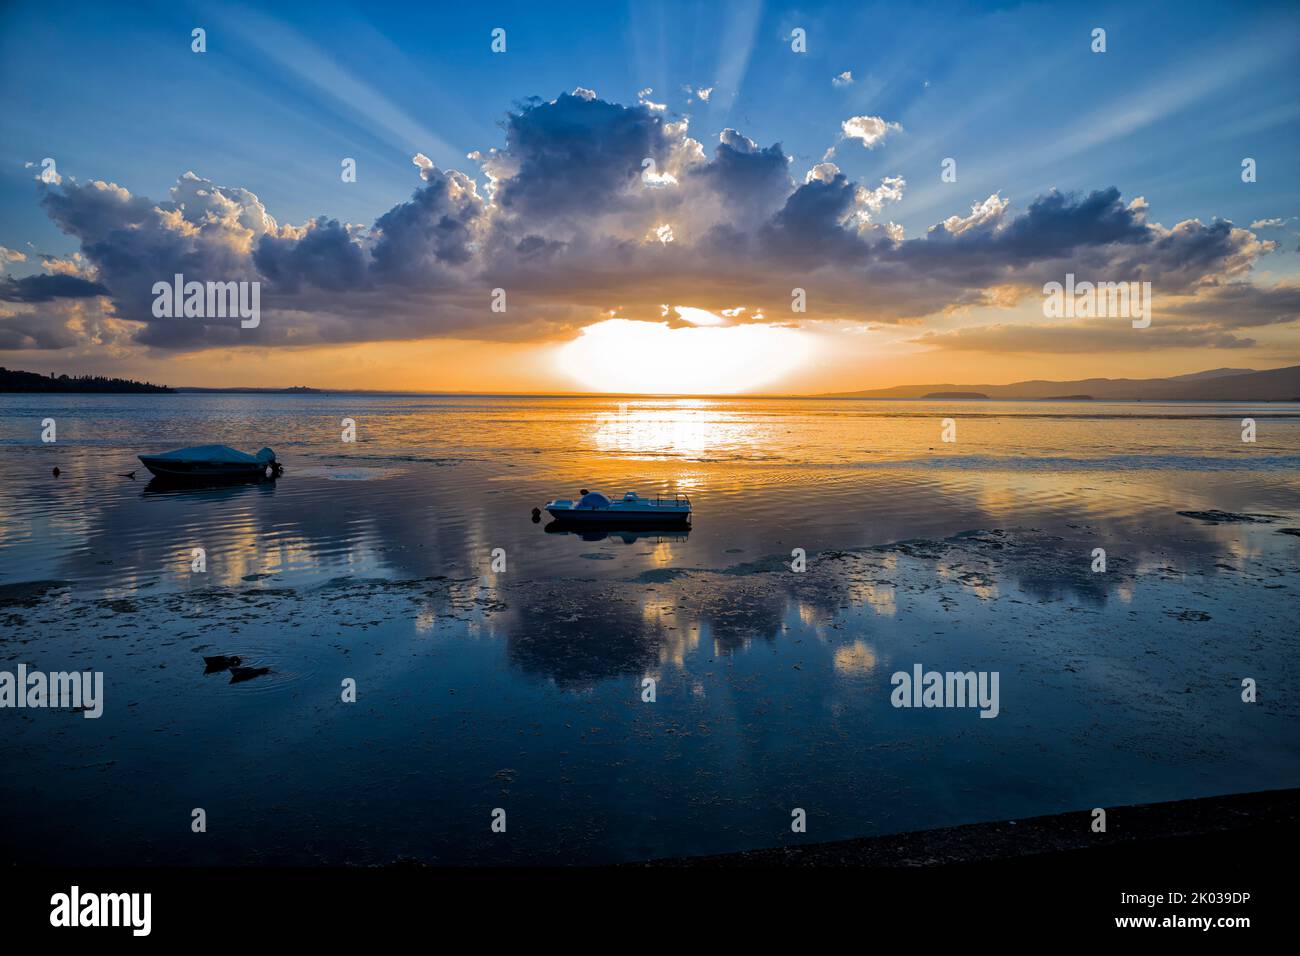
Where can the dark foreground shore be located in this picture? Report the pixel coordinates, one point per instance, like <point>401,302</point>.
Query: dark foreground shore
<point>1208,867</point>
<point>1150,830</point>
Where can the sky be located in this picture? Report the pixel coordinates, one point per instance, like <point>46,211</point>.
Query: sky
<point>738,197</point>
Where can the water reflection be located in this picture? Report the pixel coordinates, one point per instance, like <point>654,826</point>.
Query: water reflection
<point>209,491</point>
<point>460,477</point>
<point>857,659</point>
<point>681,428</point>
<point>625,531</point>
<point>529,680</point>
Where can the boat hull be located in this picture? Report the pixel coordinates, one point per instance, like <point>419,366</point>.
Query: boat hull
<point>620,516</point>
<point>168,469</point>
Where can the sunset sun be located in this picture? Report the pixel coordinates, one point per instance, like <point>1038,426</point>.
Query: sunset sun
<point>622,355</point>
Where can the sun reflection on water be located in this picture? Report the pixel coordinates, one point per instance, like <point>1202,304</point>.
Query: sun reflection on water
<point>680,428</point>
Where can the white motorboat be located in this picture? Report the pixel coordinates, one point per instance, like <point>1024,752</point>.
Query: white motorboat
<point>212,463</point>
<point>631,509</point>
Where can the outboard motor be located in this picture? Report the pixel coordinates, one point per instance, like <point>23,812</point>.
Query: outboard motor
<point>271,467</point>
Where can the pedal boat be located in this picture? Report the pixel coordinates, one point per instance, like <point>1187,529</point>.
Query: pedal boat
<point>631,509</point>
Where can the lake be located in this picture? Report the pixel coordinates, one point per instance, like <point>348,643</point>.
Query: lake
<point>524,689</point>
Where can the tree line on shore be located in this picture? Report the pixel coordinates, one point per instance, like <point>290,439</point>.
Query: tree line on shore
<point>12,380</point>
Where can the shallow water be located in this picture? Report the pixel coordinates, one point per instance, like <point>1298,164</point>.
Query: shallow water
<point>522,689</point>
<point>433,484</point>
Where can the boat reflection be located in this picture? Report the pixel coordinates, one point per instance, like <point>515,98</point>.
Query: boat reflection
<point>213,490</point>
<point>629,532</point>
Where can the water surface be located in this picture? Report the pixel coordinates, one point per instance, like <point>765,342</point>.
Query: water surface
<point>523,689</point>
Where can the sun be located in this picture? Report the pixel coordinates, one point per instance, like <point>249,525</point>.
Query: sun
<point>654,358</point>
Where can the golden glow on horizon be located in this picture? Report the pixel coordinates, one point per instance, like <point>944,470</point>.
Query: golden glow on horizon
<point>622,355</point>
<point>829,358</point>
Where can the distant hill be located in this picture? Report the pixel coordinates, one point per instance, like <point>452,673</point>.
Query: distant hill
<point>975,395</point>
<point>1217,385</point>
<point>292,390</point>
<point>15,381</point>
<point>1212,373</point>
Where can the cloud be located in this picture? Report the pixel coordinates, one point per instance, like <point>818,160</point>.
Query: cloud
<point>568,217</point>
<point>1240,305</point>
<point>49,328</point>
<point>323,254</point>
<point>62,324</point>
<point>843,79</point>
<point>868,130</point>
<point>699,316</point>
<point>643,97</point>
<point>205,232</point>
<point>47,288</point>
<point>1101,335</point>
<point>574,157</point>
<point>748,182</point>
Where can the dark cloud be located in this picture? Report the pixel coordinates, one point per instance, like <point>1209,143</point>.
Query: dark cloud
<point>752,183</point>
<point>324,257</point>
<point>571,221</point>
<point>1095,234</point>
<point>811,228</point>
<point>575,158</point>
<point>58,324</point>
<point>1100,336</point>
<point>425,240</point>
<point>35,330</point>
<point>1240,305</point>
<point>46,288</point>
<point>1056,224</point>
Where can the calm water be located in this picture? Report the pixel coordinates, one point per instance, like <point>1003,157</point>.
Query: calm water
<point>522,689</point>
<point>435,483</point>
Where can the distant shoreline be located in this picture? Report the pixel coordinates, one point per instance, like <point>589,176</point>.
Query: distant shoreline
<point>34,383</point>
<point>327,393</point>
<point>1214,385</point>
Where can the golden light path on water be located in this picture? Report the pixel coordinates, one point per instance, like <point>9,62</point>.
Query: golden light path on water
<point>623,355</point>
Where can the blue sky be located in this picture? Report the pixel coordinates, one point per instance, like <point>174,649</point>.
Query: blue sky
<point>1011,91</point>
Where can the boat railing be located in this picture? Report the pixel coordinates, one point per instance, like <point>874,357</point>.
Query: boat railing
<point>677,500</point>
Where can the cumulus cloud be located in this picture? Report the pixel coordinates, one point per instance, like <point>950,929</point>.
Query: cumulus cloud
<point>568,217</point>
<point>643,97</point>
<point>1239,305</point>
<point>870,131</point>
<point>47,288</point>
<point>843,79</point>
